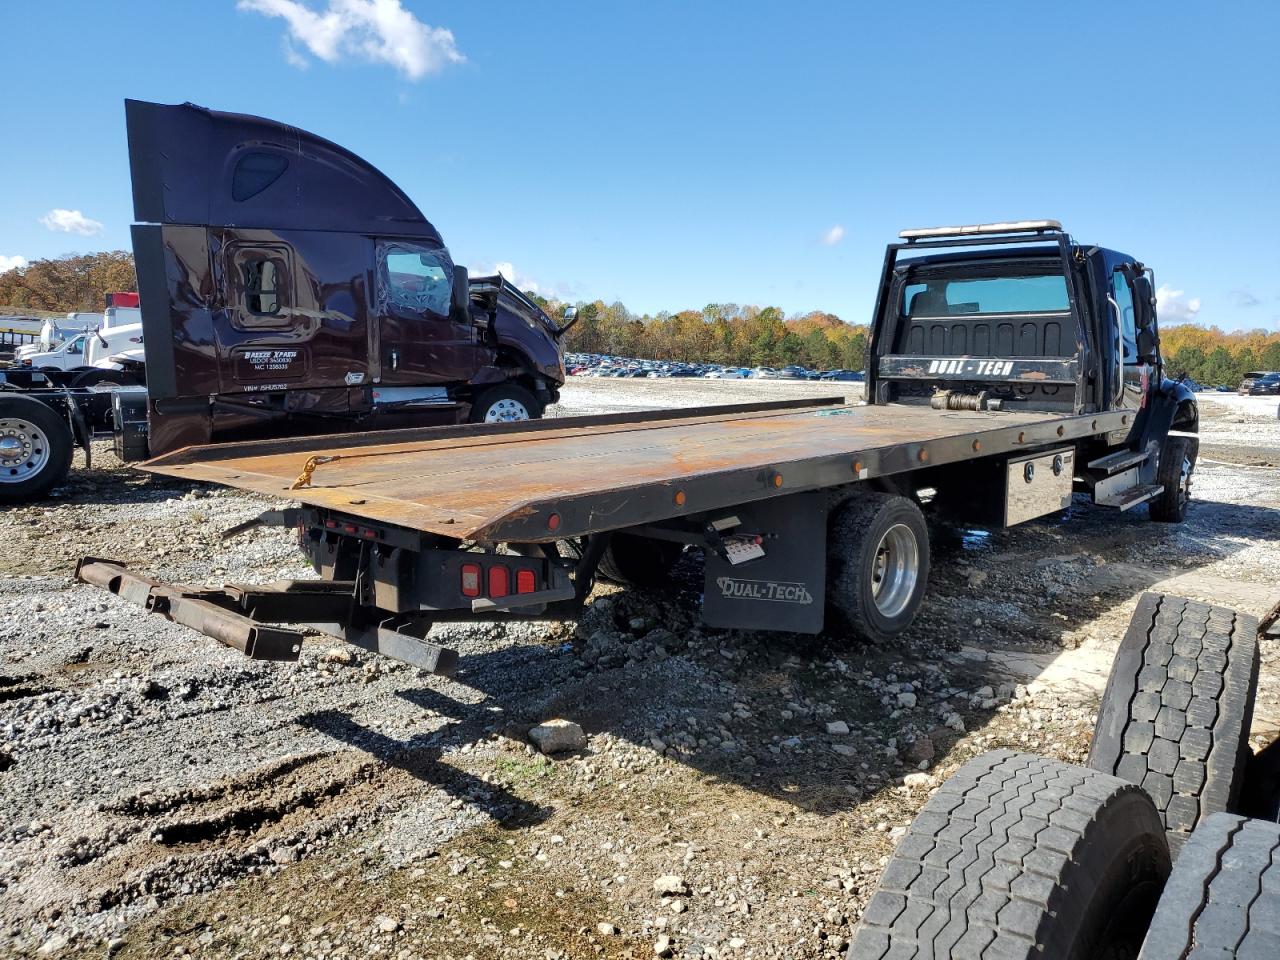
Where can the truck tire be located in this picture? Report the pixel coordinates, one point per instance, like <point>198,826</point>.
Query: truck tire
<point>1173,472</point>
<point>1223,897</point>
<point>640,562</point>
<point>1018,856</point>
<point>631,561</point>
<point>877,564</point>
<point>1176,711</point>
<point>35,449</point>
<point>505,403</point>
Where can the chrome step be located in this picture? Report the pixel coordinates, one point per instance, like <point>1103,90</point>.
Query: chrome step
<point>1132,496</point>
<point>1119,460</point>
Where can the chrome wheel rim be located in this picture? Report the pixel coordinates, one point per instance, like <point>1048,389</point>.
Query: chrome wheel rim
<point>506,411</point>
<point>895,570</point>
<point>24,450</point>
<point>1184,482</point>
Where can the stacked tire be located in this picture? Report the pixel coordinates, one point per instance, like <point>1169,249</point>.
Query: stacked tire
<point>1019,856</point>
<point>1176,713</point>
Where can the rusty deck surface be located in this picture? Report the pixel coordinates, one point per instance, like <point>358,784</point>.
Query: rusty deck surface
<point>483,486</point>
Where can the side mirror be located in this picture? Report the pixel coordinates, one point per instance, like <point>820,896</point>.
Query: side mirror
<point>1148,345</point>
<point>570,318</point>
<point>1144,302</point>
<point>461,293</point>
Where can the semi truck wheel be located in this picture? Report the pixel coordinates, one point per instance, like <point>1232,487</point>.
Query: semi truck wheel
<point>1176,711</point>
<point>1018,856</point>
<point>1223,897</point>
<point>1173,472</point>
<point>104,378</point>
<point>35,449</point>
<point>877,564</point>
<point>505,403</point>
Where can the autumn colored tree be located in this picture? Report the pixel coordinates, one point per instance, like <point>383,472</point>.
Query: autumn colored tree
<point>72,282</point>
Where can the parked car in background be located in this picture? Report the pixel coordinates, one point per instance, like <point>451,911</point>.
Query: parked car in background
<point>1261,383</point>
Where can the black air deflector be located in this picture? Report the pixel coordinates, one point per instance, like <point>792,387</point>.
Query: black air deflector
<point>192,165</point>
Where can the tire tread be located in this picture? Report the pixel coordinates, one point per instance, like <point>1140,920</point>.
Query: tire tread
<point>1192,757</point>
<point>985,870</point>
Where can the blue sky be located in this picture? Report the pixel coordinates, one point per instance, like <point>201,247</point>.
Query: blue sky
<point>672,154</point>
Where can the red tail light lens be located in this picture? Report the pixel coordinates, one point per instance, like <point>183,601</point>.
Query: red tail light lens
<point>471,579</point>
<point>499,582</point>
<point>526,582</point>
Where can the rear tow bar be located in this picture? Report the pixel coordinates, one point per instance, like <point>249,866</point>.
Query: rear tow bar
<point>233,615</point>
<point>199,609</point>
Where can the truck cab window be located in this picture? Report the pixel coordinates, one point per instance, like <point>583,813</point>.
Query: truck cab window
<point>1123,296</point>
<point>415,278</point>
<point>77,345</point>
<point>960,296</point>
<point>262,287</point>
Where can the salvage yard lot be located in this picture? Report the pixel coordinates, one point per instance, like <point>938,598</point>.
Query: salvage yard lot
<point>161,796</point>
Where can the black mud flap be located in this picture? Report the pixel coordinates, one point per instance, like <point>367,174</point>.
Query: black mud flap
<point>785,589</point>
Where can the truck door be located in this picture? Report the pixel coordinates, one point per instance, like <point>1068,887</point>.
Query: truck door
<point>267,344</point>
<point>1135,375</point>
<point>420,338</point>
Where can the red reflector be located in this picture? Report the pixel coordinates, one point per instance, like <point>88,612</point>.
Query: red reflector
<point>331,524</point>
<point>553,522</point>
<point>471,579</point>
<point>526,582</point>
<point>349,528</point>
<point>499,582</point>
<point>368,534</point>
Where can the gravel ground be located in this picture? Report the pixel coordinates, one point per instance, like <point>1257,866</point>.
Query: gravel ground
<point>736,795</point>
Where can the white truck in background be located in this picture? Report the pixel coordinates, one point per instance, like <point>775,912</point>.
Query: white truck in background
<point>57,332</point>
<point>106,347</point>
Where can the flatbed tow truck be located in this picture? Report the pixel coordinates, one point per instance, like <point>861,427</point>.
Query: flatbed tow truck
<point>1008,368</point>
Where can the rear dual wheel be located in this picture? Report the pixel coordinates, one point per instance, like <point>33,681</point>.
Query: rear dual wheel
<point>35,449</point>
<point>877,564</point>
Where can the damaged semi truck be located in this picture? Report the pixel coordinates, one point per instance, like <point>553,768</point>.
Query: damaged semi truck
<point>287,288</point>
<point>1009,368</point>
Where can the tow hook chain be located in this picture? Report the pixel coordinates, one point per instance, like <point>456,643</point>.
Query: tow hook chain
<point>308,468</point>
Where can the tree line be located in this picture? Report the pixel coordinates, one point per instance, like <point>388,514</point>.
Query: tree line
<point>1212,356</point>
<point>63,284</point>
<point>727,333</point>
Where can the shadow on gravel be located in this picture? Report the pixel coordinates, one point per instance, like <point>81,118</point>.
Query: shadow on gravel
<point>752,709</point>
<point>419,756</point>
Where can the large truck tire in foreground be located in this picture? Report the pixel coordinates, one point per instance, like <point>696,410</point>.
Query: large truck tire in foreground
<point>1010,368</point>
<point>288,288</point>
<point>1018,856</point>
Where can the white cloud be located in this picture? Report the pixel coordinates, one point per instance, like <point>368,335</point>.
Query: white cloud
<point>833,236</point>
<point>1244,299</point>
<point>11,263</point>
<point>506,269</point>
<point>70,221</point>
<point>1174,306</point>
<point>379,31</point>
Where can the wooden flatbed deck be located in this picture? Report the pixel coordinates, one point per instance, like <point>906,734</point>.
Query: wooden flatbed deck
<point>559,478</point>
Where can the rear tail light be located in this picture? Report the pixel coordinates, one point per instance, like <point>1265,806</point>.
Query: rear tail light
<point>526,582</point>
<point>471,579</point>
<point>499,582</point>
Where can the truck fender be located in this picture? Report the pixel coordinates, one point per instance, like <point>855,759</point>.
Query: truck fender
<point>1171,407</point>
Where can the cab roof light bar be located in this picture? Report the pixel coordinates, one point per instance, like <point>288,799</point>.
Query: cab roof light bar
<point>983,229</point>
